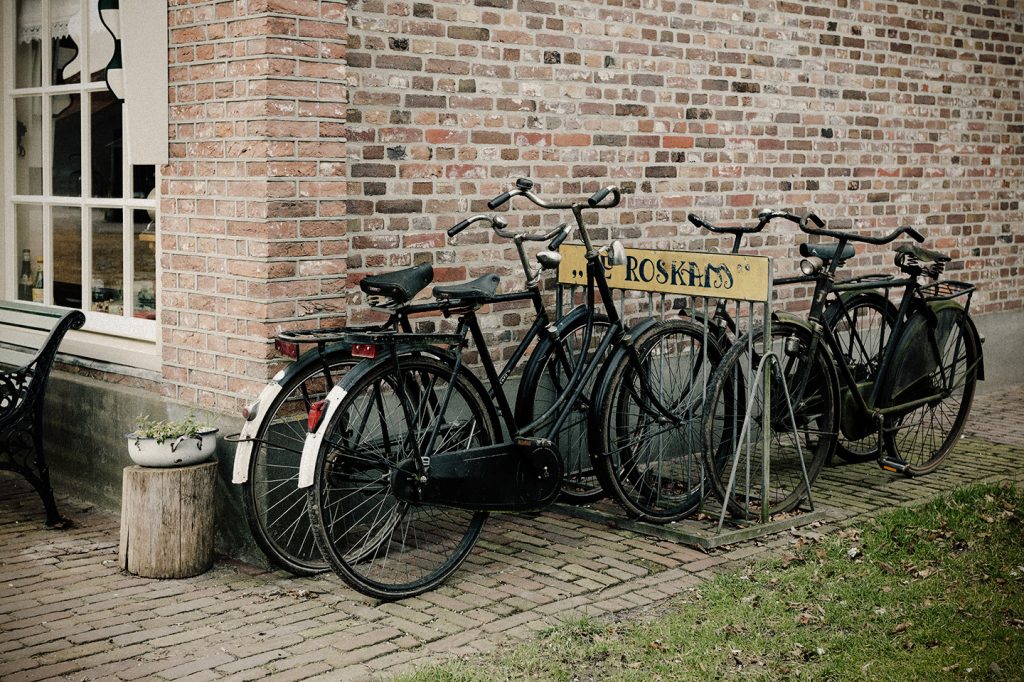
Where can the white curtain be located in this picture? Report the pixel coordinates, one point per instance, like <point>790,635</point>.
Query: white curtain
<point>66,21</point>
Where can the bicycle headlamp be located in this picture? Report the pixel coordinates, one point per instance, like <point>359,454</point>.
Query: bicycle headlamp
<point>811,265</point>
<point>616,254</point>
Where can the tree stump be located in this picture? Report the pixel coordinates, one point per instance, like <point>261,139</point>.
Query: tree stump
<point>167,520</point>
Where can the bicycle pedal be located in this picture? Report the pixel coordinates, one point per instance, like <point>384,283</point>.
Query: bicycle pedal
<point>892,465</point>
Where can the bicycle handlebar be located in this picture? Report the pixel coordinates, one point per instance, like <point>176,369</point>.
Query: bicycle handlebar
<point>849,236</point>
<point>763,219</point>
<point>498,225</point>
<point>525,185</point>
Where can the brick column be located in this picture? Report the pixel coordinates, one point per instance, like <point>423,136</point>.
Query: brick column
<point>252,231</point>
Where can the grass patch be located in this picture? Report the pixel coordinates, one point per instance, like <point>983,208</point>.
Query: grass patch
<point>936,591</point>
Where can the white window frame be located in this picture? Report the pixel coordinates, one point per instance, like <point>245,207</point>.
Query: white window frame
<point>118,340</point>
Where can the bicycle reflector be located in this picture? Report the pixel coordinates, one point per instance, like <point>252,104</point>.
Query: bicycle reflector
<point>364,350</point>
<point>249,412</point>
<point>316,414</point>
<point>287,348</point>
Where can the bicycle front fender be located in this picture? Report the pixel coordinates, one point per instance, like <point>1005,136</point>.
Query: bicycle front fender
<point>604,374</point>
<point>314,439</point>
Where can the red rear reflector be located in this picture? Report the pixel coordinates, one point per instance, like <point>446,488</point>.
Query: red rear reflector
<point>249,412</point>
<point>287,348</point>
<point>364,350</point>
<point>316,414</point>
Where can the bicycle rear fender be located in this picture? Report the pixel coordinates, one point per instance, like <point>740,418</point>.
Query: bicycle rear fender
<point>314,439</point>
<point>246,442</point>
<point>604,373</point>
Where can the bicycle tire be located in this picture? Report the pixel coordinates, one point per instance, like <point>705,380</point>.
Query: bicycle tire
<point>653,468</point>
<point>543,382</point>
<point>272,503</point>
<point>862,325</point>
<point>920,439</point>
<point>383,547</point>
<point>815,411</point>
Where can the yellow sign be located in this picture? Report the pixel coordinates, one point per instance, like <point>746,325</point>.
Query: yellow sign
<point>686,273</point>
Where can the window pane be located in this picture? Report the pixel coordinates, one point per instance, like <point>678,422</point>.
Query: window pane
<point>144,252</point>
<point>29,163</point>
<point>67,145</point>
<point>101,44</point>
<point>143,181</point>
<point>67,256</point>
<point>30,238</point>
<point>28,55</point>
<point>107,265</point>
<point>106,145</point>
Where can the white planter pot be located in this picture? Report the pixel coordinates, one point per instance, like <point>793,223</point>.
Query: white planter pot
<point>179,452</point>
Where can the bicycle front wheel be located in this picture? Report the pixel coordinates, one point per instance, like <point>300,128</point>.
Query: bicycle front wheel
<point>382,546</point>
<point>734,442</point>
<point>649,457</point>
<point>943,372</point>
<point>545,380</point>
<point>273,505</point>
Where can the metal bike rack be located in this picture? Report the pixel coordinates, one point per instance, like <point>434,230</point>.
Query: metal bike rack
<point>747,306</point>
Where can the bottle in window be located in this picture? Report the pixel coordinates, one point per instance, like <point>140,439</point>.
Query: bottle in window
<point>25,278</point>
<point>37,288</point>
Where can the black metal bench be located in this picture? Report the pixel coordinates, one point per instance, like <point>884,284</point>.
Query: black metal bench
<point>22,388</point>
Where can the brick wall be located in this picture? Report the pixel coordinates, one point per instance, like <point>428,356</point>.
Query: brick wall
<point>252,210</point>
<point>874,114</point>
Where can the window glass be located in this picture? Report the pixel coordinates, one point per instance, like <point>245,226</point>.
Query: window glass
<point>29,238</point>
<point>107,268</point>
<point>28,62</point>
<point>67,256</point>
<point>106,145</point>
<point>144,260</point>
<point>28,166</point>
<point>67,145</point>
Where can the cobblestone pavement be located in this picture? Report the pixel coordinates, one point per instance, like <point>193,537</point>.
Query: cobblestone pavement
<point>66,612</point>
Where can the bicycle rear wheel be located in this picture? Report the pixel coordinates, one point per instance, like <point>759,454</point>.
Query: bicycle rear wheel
<point>921,438</point>
<point>273,505</point>
<point>651,463</point>
<point>380,545</point>
<point>544,381</point>
<point>736,395</point>
<point>862,325</point>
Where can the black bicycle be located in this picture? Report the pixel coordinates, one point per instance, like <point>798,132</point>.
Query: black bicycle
<point>277,423</point>
<point>913,402</point>
<point>410,455</point>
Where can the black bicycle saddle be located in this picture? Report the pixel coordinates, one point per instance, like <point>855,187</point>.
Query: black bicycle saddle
<point>473,290</point>
<point>400,285</point>
<point>921,254</point>
<point>827,252</point>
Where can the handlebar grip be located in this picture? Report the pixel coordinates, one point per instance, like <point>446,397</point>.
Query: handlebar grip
<point>813,217</point>
<point>600,195</point>
<point>559,238</point>
<point>914,234</point>
<point>697,221</point>
<point>452,231</point>
<point>499,200</point>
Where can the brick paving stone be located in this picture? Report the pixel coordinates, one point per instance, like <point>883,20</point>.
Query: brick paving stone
<point>198,665</point>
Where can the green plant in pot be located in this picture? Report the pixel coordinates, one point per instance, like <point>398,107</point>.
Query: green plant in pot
<point>180,442</point>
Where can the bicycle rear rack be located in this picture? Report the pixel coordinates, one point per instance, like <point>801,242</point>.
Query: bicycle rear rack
<point>946,290</point>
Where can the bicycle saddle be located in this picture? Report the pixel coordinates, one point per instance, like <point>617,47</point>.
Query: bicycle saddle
<point>921,254</point>
<point>827,252</point>
<point>400,285</point>
<point>476,289</point>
